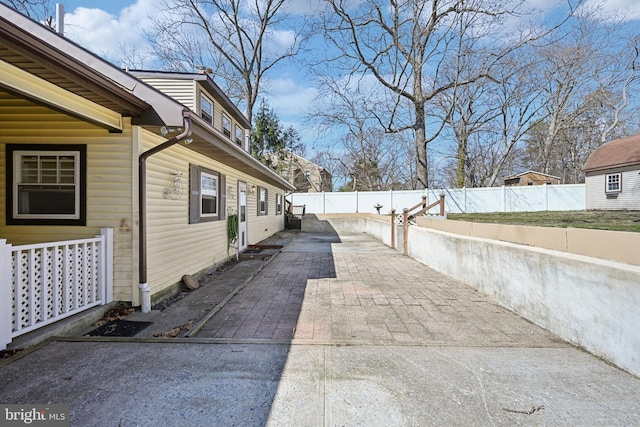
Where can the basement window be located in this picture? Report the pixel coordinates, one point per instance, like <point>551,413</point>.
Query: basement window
<point>613,183</point>
<point>47,184</point>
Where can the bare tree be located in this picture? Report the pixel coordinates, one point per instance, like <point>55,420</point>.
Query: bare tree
<point>235,38</point>
<point>40,10</point>
<point>370,159</point>
<point>587,80</point>
<point>405,45</point>
<point>518,96</point>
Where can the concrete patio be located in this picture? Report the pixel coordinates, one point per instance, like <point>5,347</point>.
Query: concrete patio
<point>333,330</point>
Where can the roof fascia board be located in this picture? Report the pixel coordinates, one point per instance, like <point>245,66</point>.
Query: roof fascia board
<point>203,130</point>
<point>611,166</point>
<point>77,61</point>
<point>50,49</point>
<point>44,92</point>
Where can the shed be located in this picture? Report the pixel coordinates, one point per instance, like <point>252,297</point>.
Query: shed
<point>613,175</point>
<point>530,177</point>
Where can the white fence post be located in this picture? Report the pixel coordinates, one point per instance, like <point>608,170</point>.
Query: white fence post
<point>504,199</point>
<point>107,274</point>
<point>5,294</point>
<point>546,197</point>
<point>464,200</point>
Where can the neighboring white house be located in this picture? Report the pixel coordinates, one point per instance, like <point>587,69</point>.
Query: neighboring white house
<point>613,175</point>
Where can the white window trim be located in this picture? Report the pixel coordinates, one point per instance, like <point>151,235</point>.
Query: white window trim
<point>261,191</point>
<point>239,138</point>
<point>205,98</point>
<point>606,182</point>
<point>17,169</point>
<point>226,120</point>
<point>215,192</point>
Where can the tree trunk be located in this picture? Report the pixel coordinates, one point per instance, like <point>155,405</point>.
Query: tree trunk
<point>461,170</point>
<point>422,171</point>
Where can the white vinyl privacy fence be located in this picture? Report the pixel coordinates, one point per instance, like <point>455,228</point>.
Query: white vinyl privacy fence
<point>44,283</point>
<point>569,197</point>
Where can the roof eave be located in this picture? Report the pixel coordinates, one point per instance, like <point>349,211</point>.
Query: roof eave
<point>608,167</point>
<point>211,138</point>
<point>206,81</point>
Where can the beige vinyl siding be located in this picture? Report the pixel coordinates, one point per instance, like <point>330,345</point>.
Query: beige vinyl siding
<point>109,186</point>
<point>217,108</point>
<point>182,90</point>
<point>263,226</point>
<point>628,198</point>
<point>175,247</point>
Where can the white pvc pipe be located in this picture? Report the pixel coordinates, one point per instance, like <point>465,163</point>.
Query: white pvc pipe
<point>145,295</point>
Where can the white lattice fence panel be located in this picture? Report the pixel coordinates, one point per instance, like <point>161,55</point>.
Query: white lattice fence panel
<point>51,282</point>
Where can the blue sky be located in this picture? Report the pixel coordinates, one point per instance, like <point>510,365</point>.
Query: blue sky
<point>104,26</point>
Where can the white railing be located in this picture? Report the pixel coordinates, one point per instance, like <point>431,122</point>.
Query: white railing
<point>566,197</point>
<point>43,283</point>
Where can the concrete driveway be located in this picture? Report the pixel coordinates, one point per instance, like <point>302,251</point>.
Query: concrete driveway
<point>334,330</point>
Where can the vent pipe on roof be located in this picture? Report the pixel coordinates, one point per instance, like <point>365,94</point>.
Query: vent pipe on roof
<point>60,19</point>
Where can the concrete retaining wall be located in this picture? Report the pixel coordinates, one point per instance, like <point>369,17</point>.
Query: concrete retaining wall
<point>618,246</point>
<point>587,301</point>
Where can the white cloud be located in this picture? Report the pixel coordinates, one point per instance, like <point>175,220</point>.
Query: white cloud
<point>624,10</point>
<point>105,34</point>
<point>289,98</point>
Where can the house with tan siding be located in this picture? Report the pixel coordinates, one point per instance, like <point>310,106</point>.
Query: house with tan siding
<point>613,175</point>
<point>308,177</point>
<point>86,146</point>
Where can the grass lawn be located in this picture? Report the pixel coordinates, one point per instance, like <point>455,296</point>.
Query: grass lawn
<point>601,220</point>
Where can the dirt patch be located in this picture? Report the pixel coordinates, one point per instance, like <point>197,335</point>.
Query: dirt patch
<point>161,305</point>
<point>118,312</point>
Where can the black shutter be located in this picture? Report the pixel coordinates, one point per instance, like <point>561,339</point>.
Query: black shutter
<point>194,194</point>
<point>223,197</point>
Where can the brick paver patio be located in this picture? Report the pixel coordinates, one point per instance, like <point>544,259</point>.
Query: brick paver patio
<point>355,289</point>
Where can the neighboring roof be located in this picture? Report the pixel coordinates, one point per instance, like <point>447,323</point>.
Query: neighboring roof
<point>530,171</point>
<point>301,160</point>
<point>205,80</point>
<point>614,154</point>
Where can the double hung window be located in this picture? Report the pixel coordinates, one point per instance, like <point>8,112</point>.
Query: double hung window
<point>47,184</point>
<point>207,196</point>
<point>613,183</point>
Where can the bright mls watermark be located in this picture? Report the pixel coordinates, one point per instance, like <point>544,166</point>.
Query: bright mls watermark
<point>34,415</point>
